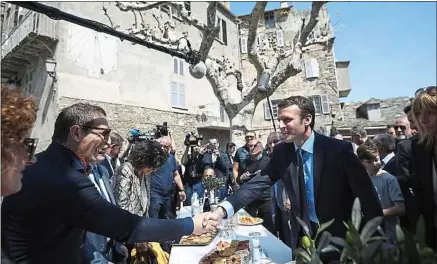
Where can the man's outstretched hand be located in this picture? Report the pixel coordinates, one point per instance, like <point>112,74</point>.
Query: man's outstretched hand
<point>203,223</point>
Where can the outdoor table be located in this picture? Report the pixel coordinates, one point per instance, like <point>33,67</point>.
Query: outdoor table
<point>277,251</point>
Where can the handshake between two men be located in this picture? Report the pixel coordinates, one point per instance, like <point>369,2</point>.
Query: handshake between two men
<point>209,221</point>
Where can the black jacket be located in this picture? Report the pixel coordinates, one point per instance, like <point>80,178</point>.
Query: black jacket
<point>46,221</point>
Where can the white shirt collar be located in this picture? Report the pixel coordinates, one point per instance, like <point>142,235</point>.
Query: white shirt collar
<point>388,158</point>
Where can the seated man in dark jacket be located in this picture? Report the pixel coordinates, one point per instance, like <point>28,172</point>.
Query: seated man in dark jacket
<point>261,207</point>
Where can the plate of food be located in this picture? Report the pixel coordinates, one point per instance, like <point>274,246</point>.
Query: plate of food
<point>249,221</point>
<point>200,240</point>
<point>228,252</point>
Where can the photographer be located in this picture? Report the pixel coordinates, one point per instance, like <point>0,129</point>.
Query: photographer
<point>192,160</point>
<point>210,158</point>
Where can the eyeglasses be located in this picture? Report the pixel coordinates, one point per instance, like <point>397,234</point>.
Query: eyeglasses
<point>430,90</point>
<point>105,131</point>
<point>400,127</point>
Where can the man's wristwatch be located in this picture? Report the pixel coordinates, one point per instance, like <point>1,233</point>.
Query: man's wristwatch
<point>182,190</point>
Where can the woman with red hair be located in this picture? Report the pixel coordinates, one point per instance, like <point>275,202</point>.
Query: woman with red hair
<point>17,119</point>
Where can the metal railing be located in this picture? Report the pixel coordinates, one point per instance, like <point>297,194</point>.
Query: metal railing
<point>33,22</point>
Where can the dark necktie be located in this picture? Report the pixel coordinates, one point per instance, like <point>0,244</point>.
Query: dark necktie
<point>114,163</point>
<point>304,215</point>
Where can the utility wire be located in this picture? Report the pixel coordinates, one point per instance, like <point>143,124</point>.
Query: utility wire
<point>192,57</point>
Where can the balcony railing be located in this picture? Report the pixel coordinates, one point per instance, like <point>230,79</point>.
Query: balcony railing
<point>33,23</point>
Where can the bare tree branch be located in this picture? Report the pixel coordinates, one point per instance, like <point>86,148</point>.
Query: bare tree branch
<point>106,14</point>
<point>257,13</point>
<point>314,18</point>
<point>210,32</point>
<point>139,6</point>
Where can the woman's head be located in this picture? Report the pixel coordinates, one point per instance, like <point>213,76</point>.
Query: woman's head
<point>17,119</point>
<point>424,108</point>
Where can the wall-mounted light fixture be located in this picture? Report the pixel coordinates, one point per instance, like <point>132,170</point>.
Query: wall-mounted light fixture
<point>51,68</point>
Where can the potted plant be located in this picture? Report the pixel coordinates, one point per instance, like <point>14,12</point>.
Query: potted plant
<point>363,246</point>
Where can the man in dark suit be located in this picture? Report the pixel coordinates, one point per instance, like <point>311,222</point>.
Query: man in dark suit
<point>322,175</point>
<point>46,221</point>
<point>386,145</point>
<point>111,160</point>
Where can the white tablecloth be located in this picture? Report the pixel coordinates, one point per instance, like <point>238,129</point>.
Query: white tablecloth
<point>277,251</point>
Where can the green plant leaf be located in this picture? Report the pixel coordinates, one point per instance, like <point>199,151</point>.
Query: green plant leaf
<point>356,214</point>
<point>355,237</point>
<point>324,240</point>
<point>369,251</point>
<point>324,226</point>
<point>304,226</point>
<point>329,248</point>
<point>400,237</point>
<point>315,259</point>
<point>303,254</point>
<point>339,241</point>
<point>420,231</point>
<point>370,228</point>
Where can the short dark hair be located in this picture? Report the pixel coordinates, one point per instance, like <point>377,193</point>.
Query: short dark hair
<point>387,142</point>
<point>147,153</point>
<point>367,151</point>
<point>116,139</point>
<point>358,131</point>
<point>333,132</point>
<point>230,145</point>
<point>390,126</point>
<point>305,105</point>
<point>78,114</point>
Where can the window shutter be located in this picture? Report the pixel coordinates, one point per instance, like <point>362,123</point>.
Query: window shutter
<point>243,44</point>
<point>315,67</point>
<point>267,115</point>
<point>175,66</point>
<point>280,38</point>
<point>181,67</point>
<point>181,95</point>
<point>311,68</point>
<point>224,32</point>
<point>317,103</point>
<point>174,94</point>
<point>325,104</point>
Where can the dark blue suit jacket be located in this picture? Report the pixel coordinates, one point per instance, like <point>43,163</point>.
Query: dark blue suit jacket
<point>339,177</point>
<point>97,247</point>
<point>46,221</point>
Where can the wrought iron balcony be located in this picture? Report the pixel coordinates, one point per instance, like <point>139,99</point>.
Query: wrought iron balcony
<point>22,44</point>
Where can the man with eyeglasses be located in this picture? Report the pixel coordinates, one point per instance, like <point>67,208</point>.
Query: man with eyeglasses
<point>402,128</point>
<point>111,161</point>
<point>46,221</point>
<point>262,206</point>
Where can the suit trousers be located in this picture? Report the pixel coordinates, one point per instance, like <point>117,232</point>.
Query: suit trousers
<point>262,209</point>
<point>159,206</point>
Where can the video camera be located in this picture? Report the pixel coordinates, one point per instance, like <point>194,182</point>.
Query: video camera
<point>191,139</point>
<point>161,130</point>
<point>136,135</point>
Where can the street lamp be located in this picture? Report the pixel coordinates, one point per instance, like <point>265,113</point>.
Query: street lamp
<point>51,68</point>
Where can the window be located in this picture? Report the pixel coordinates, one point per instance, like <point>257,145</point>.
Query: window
<point>29,84</point>
<point>177,95</point>
<point>267,115</point>
<point>321,104</point>
<point>311,68</point>
<point>269,20</point>
<point>223,34</point>
<point>178,66</point>
<point>243,44</point>
<point>280,38</point>
<point>371,107</point>
<point>187,6</point>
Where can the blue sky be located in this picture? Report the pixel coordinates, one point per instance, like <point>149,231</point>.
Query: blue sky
<point>391,45</point>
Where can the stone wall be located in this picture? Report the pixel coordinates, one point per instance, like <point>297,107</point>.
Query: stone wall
<point>122,118</point>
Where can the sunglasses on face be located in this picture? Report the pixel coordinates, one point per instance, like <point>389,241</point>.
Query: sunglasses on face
<point>400,127</point>
<point>30,144</point>
<point>104,131</point>
<point>431,90</point>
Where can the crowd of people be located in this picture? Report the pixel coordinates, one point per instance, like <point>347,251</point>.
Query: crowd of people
<point>80,201</point>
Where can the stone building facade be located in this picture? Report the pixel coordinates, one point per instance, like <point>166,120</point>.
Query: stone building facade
<point>374,115</point>
<point>140,87</point>
<point>319,79</point>
<point>137,86</point>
